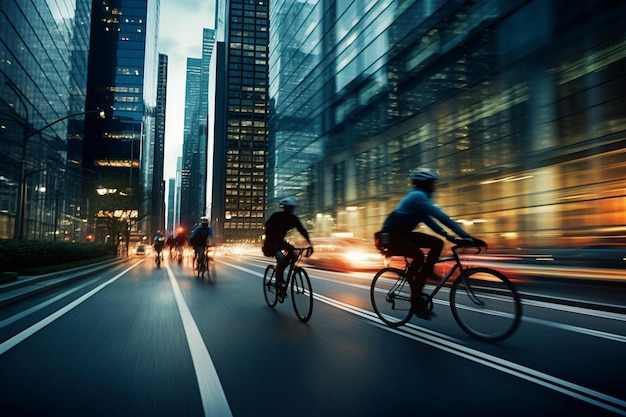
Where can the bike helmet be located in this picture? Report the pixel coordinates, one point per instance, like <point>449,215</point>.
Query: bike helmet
<point>422,175</point>
<point>204,220</point>
<point>288,202</point>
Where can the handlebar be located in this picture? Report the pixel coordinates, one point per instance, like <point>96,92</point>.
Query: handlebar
<point>306,251</point>
<point>468,243</point>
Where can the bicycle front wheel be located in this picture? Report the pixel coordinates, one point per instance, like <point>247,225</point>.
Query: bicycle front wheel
<point>301,294</point>
<point>391,297</point>
<point>485,304</point>
<point>269,286</point>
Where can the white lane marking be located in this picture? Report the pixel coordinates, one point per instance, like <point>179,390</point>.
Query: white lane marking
<point>40,306</point>
<point>450,345</point>
<point>20,337</point>
<point>541,304</point>
<point>212,394</point>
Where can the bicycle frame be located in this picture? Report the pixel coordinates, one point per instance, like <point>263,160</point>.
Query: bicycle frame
<point>293,264</point>
<point>457,266</point>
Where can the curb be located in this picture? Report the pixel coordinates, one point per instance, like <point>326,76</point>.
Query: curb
<point>27,286</point>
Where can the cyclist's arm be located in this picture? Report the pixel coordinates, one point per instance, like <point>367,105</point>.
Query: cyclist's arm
<point>302,231</point>
<point>437,213</point>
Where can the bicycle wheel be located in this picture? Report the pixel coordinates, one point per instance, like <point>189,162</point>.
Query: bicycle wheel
<point>485,304</point>
<point>391,297</point>
<point>301,294</point>
<point>269,286</point>
<point>211,269</point>
<point>201,266</point>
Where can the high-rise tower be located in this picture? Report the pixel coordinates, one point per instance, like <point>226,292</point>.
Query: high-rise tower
<point>123,68</point>
<point>239,180</point>
<point>195,142</point>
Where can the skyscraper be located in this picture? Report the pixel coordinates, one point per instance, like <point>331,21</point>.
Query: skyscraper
<point>239,180</point>
<point>195,142</point>
<point>171,207</point>
<point>43,74</point>
<point>157,200</point>
<point>123,69</point>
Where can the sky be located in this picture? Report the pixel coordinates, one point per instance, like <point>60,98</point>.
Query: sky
<point>180,36</point>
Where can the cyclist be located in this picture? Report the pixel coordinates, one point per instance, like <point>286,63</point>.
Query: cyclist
<point>179,242</point>
<point>158,241</point>
<point>418,207</point>
<point>170,246</point>
<point>199,237</point>
<point>276,229</point>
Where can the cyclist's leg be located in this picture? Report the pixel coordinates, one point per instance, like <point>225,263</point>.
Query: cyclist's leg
<point>435,246</point>
<point>199,251</point>
<point>282,261</point>
<point>403,245</point>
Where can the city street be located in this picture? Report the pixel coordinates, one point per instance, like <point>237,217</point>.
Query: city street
<point>135,340</point>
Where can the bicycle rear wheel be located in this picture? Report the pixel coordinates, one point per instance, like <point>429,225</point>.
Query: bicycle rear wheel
<point>211,269</point>
<point>485,304</point>
<point>301,294</point>
<point>269,286</point>
<point>391,297</point>
<point>201,266</point>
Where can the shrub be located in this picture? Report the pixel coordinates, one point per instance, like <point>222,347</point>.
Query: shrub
<point>20,254</point>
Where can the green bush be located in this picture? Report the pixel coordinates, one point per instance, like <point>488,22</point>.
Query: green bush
<point>16,255</point>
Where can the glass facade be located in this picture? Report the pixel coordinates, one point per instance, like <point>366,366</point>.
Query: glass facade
<point>123,74</point>
<point>43,69</point>
<point>519,105</point>
<point>240,163</point>
<point>194,174</point>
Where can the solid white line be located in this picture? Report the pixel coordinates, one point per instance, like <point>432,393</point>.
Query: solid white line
<point>20,337</point>
<point>40,306</point>
<point>449,345</point>
<point>212,394</point>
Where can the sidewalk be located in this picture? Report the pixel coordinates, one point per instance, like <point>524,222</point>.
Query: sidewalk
<point>26,286</point>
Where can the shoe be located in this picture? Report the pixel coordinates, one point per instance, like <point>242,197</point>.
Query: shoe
<point>423,308</point>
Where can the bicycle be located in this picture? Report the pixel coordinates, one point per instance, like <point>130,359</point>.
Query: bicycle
<point>157,258</point>
<point>484,303</point>
<point>301,291</point>
<point>206,264</point>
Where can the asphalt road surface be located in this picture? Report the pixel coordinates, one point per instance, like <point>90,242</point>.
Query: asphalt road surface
<point>140,341</point>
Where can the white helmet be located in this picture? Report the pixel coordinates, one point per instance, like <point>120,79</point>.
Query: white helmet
<point>423,174</point>
<point>204,220</point>
<point>288,202</point>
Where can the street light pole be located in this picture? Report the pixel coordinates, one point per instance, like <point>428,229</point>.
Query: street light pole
<point>21,202</point>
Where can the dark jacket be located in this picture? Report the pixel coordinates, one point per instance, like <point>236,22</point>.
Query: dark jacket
<point>200,235</point>
<point>276,228</point>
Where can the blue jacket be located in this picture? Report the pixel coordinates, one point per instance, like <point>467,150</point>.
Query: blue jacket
<point>199,236</point>
<point>416,207</point>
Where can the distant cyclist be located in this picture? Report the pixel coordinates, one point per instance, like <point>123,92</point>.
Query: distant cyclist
<point>179,243</point>
<point>158,241</point>
<point>415,208</point>
<point>276,229</point>
<point>201,237</point>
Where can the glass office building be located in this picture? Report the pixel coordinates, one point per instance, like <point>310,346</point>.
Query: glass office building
<point>195,145</point>
<point>43,70</point>
<point>239,170</point>
<point>123,77</point>
<point>519,105</point>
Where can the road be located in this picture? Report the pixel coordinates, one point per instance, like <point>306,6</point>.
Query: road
<point>139,341</point>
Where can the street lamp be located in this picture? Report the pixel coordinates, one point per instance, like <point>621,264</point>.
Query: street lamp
<point>21,201</point>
